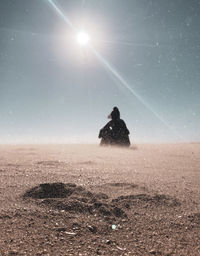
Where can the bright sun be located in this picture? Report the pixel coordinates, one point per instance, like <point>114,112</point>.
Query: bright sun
<point>82,38</point>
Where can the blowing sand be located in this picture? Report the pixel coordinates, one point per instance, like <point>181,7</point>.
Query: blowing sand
<point>88,200</point>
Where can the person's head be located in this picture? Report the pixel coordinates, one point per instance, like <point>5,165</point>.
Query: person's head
<point>115,114</point>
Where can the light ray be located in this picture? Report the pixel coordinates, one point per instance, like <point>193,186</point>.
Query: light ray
<point>113,71</point>
<point>110,68</point>
<point>61,14</point>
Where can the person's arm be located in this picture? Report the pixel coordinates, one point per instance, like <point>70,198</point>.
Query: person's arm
<point>107,126</point>
<point>104,129</point>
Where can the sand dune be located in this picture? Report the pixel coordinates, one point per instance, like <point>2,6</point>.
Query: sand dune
<point>89,200</point>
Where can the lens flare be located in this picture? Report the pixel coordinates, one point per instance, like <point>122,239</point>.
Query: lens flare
<point>82,38</point>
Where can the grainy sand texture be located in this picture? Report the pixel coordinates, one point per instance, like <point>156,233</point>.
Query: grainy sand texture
<point>90,200</point>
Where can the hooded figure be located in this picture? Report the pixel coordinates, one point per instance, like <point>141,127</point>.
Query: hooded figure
<point>115,132</point>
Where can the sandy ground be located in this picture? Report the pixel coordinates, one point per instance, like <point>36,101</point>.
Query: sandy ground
<point>88,200</point>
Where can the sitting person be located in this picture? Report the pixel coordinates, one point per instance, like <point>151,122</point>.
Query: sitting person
<point>115,132</point>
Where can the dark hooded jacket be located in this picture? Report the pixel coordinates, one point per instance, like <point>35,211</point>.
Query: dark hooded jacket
<point>115,132</point>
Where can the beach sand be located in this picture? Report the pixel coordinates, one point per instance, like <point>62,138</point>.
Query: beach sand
<point>91,200</point>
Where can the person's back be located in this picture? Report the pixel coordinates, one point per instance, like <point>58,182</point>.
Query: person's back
<point>120,133</point>
<point>115,132</point>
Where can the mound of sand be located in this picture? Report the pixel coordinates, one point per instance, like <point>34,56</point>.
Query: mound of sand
<point>76,199</point>
<point>51,190</point>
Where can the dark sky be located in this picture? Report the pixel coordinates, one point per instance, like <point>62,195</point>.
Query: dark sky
<point>53,90</point>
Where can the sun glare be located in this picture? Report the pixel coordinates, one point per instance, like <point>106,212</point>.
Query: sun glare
<point>82,38</point>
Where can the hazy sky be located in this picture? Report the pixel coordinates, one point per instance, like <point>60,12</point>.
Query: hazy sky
<point>147,64</point>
